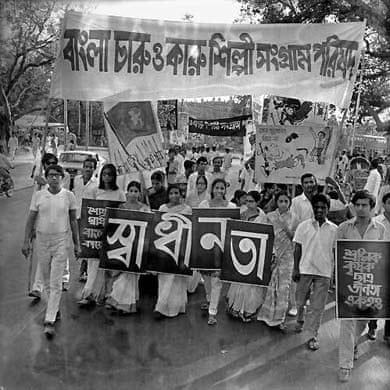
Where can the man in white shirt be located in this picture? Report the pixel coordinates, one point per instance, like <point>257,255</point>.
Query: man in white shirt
<point>374,179</point>
<point>313,266</point>
<point>301,209</point>
<point>301,205</point>
<point>362,227</point>
<point>52,212</point>
<point>12,146</point>
<point>84,187</point>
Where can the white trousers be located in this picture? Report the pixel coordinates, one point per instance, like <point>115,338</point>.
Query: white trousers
<point>350,331</point>
<point>213,287</point>
<point>52,251</point>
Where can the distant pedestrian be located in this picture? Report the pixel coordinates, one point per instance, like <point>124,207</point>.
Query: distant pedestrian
<point>12,146</point>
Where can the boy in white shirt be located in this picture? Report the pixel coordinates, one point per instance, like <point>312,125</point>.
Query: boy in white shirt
<point>52,211</point>
<point>313,265</point>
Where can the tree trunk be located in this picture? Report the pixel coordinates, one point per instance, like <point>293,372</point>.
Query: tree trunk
<point>5,119</point>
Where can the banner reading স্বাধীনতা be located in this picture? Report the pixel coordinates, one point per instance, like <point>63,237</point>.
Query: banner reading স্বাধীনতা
<point>138,59</point>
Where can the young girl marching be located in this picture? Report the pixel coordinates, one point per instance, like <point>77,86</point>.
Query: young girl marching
<point>172,289</point>
<point>125,294</point>
<point>95,287</point>
<point>243,301</point>
<point>193,200</point>
<point>212,282</point>
<point>275,306</point>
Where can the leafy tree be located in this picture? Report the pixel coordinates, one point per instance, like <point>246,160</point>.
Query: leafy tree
<point>29,34</point>
<point>375,86</point>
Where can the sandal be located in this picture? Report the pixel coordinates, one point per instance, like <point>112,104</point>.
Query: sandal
<point>204,306</point>
<point>313,344</point>
<point>212,320</point>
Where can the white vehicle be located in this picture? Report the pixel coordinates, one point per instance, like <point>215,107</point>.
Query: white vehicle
<point>72,161</point>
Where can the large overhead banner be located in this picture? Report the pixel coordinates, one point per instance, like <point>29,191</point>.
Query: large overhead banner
<point>138,59</point>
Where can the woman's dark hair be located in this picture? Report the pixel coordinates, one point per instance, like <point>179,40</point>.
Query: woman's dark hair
<point>364,194</point>
<point>113,185</point>
<point>92,160</point>
<point>282,193</point>
<point>171,187</point>
<point>56,168</point>
<point>333,195</point>
<point>320,198</point>
<point>134,184</point>
<point>237,195</point>
<point>215,182</point>
<point>255,195</point>
<point>202,177</point>
<point>49,157</point>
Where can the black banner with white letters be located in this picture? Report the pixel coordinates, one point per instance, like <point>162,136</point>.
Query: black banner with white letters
<point>170,244</point>
<point>93,216</point>
<point>125,240</point>
<point>208,236</point>
<point>247,253</point>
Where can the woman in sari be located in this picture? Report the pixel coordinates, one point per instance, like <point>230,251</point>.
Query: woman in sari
<point>125,293</point>
<point>275,306</point>
<point>172,289</point>
<point>243,301</point>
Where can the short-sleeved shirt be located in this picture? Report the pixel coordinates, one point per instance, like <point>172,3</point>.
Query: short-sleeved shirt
<point>301,208</point>
<point>348,231</point>
<point>84,191</point>
<point>317,247</point>
<point>53,210</point>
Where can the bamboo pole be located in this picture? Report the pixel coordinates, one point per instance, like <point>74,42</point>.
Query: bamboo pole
<point>87,125</point>
<point>65,123</point>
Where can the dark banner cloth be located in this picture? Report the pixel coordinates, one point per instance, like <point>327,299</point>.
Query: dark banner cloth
<point>93,215</point>
<point>125,240</point>
<point>219,127</point>
<point>248,253</point>
<point>363,279</point>
<point>170,244</point>
<point>208,236</point>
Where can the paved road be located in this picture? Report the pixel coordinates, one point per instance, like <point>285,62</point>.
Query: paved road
<point>93,350</point>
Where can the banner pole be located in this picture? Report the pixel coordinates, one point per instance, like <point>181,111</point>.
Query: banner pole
<point>357,102</point>
<point>87,125</point>
<point>65,123</point>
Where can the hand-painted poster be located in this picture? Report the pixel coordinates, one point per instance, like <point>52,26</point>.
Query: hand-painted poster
<point>93,216</point>
<point>133,135</point>
<point>294,112</point>
<point>144,59</point>
<point>358,172</point>
<point>230,127</point>
<point>170,244</point>
<point>209,235</point>
<point>167,114</point>
<point>125,240</point>
<point>247,253</point>
<point>285,153</point>
<point>362,279</point>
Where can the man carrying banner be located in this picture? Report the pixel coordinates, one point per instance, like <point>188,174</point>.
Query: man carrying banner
<point>85,186</point>
<point>362,227</point>
<point>384,219</point>
<point>52,211</point>
<point>313,265</point>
